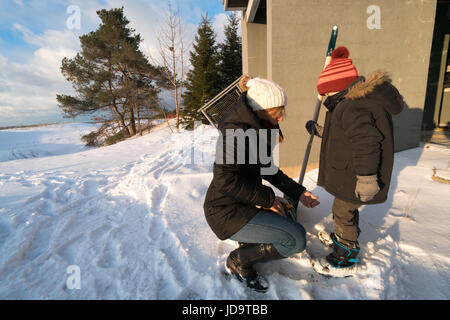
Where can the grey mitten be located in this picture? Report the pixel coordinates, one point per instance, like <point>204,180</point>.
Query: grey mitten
<point>366,187</point>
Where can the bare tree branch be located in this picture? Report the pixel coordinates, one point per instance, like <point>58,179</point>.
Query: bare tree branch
<point>173,54</point>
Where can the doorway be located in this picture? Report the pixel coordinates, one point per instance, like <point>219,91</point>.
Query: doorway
<point>436,113</point>
<point>443,106</point>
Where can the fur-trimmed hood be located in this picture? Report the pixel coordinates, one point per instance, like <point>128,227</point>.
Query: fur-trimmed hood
<point>377,86</point>
<point>363,86</point>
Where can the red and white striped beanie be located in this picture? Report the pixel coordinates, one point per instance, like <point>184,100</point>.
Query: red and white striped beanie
<point>338,74</point>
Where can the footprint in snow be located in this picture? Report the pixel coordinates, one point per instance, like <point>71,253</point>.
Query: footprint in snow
<point>158,195</point>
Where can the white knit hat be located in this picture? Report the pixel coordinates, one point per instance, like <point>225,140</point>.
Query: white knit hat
<point>265,94</point>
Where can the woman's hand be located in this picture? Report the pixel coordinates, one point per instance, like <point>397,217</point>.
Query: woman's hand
<point>309,200</point>
<point>279,207</point>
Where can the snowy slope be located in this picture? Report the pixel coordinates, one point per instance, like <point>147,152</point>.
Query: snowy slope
<point>43,141</point>
<point>130,217</point>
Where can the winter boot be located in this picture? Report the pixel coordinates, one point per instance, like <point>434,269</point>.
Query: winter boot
<point>342,262</point>
<point>240,264</point>
<point>243,244</point>
<point>343,256</point>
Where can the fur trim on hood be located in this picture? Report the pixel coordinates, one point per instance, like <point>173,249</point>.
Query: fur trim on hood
<point>367,85</point>
<point>378,86</point>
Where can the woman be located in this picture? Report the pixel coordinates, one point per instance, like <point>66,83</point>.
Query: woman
<point>237,205</point>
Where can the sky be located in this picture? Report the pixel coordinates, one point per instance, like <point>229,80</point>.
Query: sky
<point>35,35</point>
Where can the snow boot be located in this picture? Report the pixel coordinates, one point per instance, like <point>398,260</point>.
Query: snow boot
<point>241,260</point>
<point>342,262</point>
<point>243,244</point>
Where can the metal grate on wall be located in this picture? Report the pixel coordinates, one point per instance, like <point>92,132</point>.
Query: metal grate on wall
<point>215,109</point>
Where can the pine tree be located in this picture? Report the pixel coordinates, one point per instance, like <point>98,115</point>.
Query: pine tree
<point>110,75</point>
<point>203,80</point>
<point>231,52</point>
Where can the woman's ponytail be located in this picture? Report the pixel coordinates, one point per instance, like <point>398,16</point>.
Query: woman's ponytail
<point>243,83</point>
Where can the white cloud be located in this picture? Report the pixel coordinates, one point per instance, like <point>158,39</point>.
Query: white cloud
<point>54,45</point>
<point>51,38</point>
<point>28,90</point>
<point>218,24</point>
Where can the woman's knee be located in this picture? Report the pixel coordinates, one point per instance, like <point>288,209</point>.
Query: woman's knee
<point>300,239</point>
<point>296,242</point>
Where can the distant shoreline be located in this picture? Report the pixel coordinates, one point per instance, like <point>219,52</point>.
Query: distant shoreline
<point>42,125</point>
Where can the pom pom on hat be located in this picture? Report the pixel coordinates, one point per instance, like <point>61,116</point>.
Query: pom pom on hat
<point>338,74</point>
<point>264,94</point>
<point>340,52</point>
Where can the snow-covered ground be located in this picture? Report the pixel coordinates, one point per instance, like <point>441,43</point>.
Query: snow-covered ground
<point>43,141</point>
<point>127,222</point>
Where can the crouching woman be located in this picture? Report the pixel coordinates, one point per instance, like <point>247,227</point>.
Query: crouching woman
<point>238,205</point>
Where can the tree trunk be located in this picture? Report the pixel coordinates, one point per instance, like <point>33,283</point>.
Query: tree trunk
<point>132,120</point>
<point>121,118</point>
<point>114,106</point>
<point>139,120</point>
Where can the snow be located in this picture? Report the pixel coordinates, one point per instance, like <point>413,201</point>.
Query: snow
<point>129,217</point>
<point>43,141</point>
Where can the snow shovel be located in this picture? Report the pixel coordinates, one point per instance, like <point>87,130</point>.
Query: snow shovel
<point>331,44</point>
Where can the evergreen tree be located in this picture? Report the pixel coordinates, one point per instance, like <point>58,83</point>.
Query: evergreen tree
<point>110,75</point>
<point>203,80</point>
<point>231,52</point>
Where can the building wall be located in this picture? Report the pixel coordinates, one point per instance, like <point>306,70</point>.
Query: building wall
<point>294,43</point>
<point>254,49</point>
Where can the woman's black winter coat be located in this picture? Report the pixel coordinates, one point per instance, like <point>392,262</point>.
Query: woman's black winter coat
<point>237,189</point>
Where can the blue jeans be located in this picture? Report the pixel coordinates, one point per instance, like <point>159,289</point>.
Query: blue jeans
<point>286,235</point>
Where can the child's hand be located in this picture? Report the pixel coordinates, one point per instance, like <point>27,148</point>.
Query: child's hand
<point>309,200</point>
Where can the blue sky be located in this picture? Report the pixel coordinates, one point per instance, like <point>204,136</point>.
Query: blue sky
<point>34,37</point>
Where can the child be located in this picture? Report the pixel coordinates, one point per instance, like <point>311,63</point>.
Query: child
<point>357,151</point>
